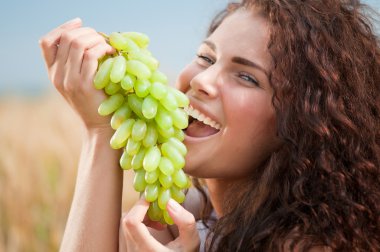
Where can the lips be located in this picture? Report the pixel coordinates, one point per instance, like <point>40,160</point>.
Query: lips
<point>200,125</point>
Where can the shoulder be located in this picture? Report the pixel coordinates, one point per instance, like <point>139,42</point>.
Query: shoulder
<point>193,202</point>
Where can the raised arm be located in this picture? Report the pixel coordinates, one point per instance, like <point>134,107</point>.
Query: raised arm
<point>71,53</point>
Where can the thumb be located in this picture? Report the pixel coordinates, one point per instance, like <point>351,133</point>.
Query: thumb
<point>185,221</point>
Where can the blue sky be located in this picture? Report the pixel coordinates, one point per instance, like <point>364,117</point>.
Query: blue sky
<point>175,28</point>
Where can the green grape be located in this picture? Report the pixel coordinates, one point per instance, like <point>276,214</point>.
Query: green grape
<point>137,160</point>
<point>121,135</point>
<point>128,82</point>
<point>102,76</point>
<point>138,69</point>
<point>120,115</point>
<point>182,99</point>
<point>142,87</point>
<point>148,119</point>
<point>162,220</point>
<point>163,118</point>
<point>146,51</point>
<point>189,183</point>
<point>132,147</point>
<point>149,107</point>
<point>151,192</point>
<point>180,118</point>
<point>163,197</point>
<point>180,179</point>
<point>138,130</point>
<point>166,166</point>
<point>167,217</point>
<point>178,145</point>
<point>151,135</point>
<point>169,102</point>
<point>130,45</point>
<point>151,62</point>
<point>158,90</point>
<point>103,58</point>
<point>152,158</point>
<point>140,39</point>
<point>135,103</point>
<point>166,181</point>
<point>161,139</point>
<point>169,151</point>
<point>154,212</point>
<point>152,176</point>
<point>125,161</point>
<point>167,133</point>
<point>117,41</point>
<point>118,69</point>
<point>110,104</point>
<point>177,194</point>
<point>121,43</point>
<point>179,134</point>
<point>112,88</point>
<point>158,76</point>
<point>139,180</point>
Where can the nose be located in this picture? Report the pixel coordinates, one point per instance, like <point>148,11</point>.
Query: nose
<point>205,83</point>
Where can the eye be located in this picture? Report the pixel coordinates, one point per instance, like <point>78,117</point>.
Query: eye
<point>248,78</point>
<point>206,59</point>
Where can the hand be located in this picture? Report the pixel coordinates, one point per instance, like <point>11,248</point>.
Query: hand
<point>71,54</point>
<point>137,235</point>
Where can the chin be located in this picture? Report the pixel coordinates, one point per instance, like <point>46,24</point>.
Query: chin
<point>195,171</point>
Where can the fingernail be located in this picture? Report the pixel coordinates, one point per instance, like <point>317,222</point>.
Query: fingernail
<point>174,206</point>
<point>73,21</point>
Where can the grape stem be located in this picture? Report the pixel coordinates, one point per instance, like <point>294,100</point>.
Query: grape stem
<point>105,36</point>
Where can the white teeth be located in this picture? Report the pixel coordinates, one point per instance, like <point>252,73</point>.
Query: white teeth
<point>201,117</point>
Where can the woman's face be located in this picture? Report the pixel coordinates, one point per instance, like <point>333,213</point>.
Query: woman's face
<point>227,83</point>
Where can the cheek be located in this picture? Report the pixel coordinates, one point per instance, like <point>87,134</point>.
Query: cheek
<point>185,77</point>
<point>249,110</point>
<point>251,125</point>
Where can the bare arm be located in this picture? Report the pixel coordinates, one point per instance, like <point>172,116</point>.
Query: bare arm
<point>93,223</point>
<point>71,54</point>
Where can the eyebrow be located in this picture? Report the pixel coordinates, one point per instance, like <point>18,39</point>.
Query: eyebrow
<point>239,60</point>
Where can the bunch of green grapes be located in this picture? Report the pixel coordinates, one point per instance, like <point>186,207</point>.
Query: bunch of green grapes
<point>148,118</point>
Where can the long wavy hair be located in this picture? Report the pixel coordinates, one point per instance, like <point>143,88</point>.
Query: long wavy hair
<point>322,187</point>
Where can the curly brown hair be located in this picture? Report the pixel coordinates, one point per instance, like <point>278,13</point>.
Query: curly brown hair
<point>322,187</point>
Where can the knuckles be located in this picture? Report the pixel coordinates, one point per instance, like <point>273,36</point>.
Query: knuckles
<point>77,43</point>
<point>130,223</point>
<point>188,220</point>
<point>90,55</point>
<point>44,42</point>
<point>57,78</point>
<point>66,37</point>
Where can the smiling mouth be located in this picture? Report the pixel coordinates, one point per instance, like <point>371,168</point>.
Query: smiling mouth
<point>200,125</point>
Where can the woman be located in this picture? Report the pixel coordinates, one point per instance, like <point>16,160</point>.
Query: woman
<point>293,161</point>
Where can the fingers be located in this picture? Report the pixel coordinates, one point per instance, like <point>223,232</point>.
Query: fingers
<point>66,41</point>
<point>78,47</point>
<point>48,43</point>
<point>188,233</point>
<point>90,60</point>
<point>135,231</point>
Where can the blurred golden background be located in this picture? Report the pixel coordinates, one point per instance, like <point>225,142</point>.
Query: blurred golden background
<point>39,151</point>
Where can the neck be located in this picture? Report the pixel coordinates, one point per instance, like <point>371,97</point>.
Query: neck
<point>217,191</point>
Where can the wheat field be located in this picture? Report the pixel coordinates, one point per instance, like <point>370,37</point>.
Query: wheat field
<point>39,152</point>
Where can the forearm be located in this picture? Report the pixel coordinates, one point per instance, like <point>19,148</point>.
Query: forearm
<point>93,223</point>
